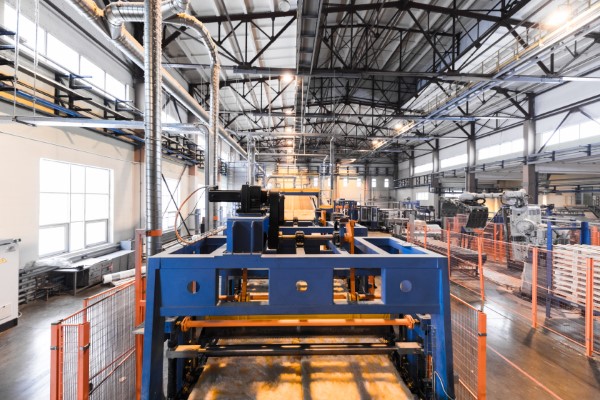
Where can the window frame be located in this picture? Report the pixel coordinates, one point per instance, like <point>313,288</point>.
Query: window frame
<point>67,224</point>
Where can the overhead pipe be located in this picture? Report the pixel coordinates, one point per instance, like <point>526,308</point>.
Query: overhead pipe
<point>212,179</point>
<point>135,52</point>
<point>152,124</point>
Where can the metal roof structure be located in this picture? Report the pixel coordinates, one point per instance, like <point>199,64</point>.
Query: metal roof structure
<point>380,77</point>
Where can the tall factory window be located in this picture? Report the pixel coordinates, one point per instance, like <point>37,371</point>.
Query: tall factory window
<point>27,29</point>
<point>346,181</point>
<point>453,161</point>
<point>75,207</point>
<point>373,183</point>
<point>358,182</point>
<point>386,183</point>
<point>422,196</point>
<point>419,169</point>
<point>169,207</point>
<point>62,54</point>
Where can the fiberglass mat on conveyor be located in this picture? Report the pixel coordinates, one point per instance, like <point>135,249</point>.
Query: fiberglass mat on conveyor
<point>300,378</point>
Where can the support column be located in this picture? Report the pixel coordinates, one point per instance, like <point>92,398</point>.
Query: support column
<point>332,182</point>
<point>411,167</point>
<point>435,179</point>
<point>365,183</point>
<point>251,161</point>
<point>470,179</point>
<point>530,180</point>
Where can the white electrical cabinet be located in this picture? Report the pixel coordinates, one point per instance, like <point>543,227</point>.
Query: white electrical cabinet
<point>9,283</point>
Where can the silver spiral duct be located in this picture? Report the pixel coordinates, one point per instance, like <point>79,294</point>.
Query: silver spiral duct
<point>192,23</point>
<point>134,51</point>
<point>153,123</point>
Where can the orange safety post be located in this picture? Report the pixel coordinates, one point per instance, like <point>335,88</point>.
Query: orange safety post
<point>589,308</point>
<point>534,279</point>
<point>425,236</point>
<point>56,362</point>
<point>140,308</point>
<point>480,268</point>
<point>449,269</point>
<point>83,362</point>
<point>481,355</point>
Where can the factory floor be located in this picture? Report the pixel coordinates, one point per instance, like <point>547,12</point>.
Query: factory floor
<point>25,349</point>
<point>521,363</point>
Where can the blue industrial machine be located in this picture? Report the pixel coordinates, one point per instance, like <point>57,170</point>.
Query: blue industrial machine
<point>348,208</point>
<point>263,278</point>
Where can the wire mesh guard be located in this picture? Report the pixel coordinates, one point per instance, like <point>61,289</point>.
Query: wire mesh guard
<point>553,286</point>
<point>94,349</point>
<point>468,347</point>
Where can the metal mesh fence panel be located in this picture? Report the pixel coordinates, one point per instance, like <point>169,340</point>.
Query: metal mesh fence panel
<point>468,332</point>
<point>95,349</point>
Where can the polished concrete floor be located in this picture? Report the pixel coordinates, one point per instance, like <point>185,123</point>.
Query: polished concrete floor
<point>25,349</point>
<point>522,363</point>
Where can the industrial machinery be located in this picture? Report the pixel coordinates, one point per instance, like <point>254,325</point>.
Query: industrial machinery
<point>265,279</point>
<point>9,279</point>
<point>522,221</point>
<point>348,208</point>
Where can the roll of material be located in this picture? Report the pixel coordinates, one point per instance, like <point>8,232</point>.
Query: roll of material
<point>120,275</point>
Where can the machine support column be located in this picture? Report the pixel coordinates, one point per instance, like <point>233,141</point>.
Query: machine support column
<point>470,179</point>
<point>530,181</point>
<point>435,180</point>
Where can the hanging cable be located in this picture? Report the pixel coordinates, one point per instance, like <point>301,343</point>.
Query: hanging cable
<point>177,235</point>
<point>16,58</point>
<point>35,52</point>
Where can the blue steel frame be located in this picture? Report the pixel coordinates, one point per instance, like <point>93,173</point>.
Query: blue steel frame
<point>413,281</point>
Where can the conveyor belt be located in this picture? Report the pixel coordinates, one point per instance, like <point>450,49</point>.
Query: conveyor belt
<point>300,377</point>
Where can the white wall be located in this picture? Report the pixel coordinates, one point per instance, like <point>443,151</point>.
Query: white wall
<point>22,147</point>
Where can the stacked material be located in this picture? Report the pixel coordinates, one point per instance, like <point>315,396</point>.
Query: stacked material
<point>569,270</point>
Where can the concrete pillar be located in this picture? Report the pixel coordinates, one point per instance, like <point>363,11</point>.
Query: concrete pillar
<point>470,179</point>
<point>530,180</point>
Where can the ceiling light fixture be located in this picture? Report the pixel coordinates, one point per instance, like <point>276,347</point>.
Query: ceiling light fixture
<point>287,77</point>
<point>284,5</point>
<point>558,17</point>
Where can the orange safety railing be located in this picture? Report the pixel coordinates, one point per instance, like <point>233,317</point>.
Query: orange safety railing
<point>469,331</point>
<point>95,353</point>
<point>93,350</point>
<point>557,290</point>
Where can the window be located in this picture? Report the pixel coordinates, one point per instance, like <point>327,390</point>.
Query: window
<point>373,183</point>
<point>453,161</point>
<point>358,182</point>
<point>420,169</point>
<point>346,182</point>
<point>315,182</point>
<point>422,196</point>
<point>386,183</point>
<point>116,88</point>
<point>74,207</point>
<point>96,73</point>
<point>503,149</point>
<point>169,208</point>
<point>571,133</point>
<point>62,54</point>
<point>27,29</point>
